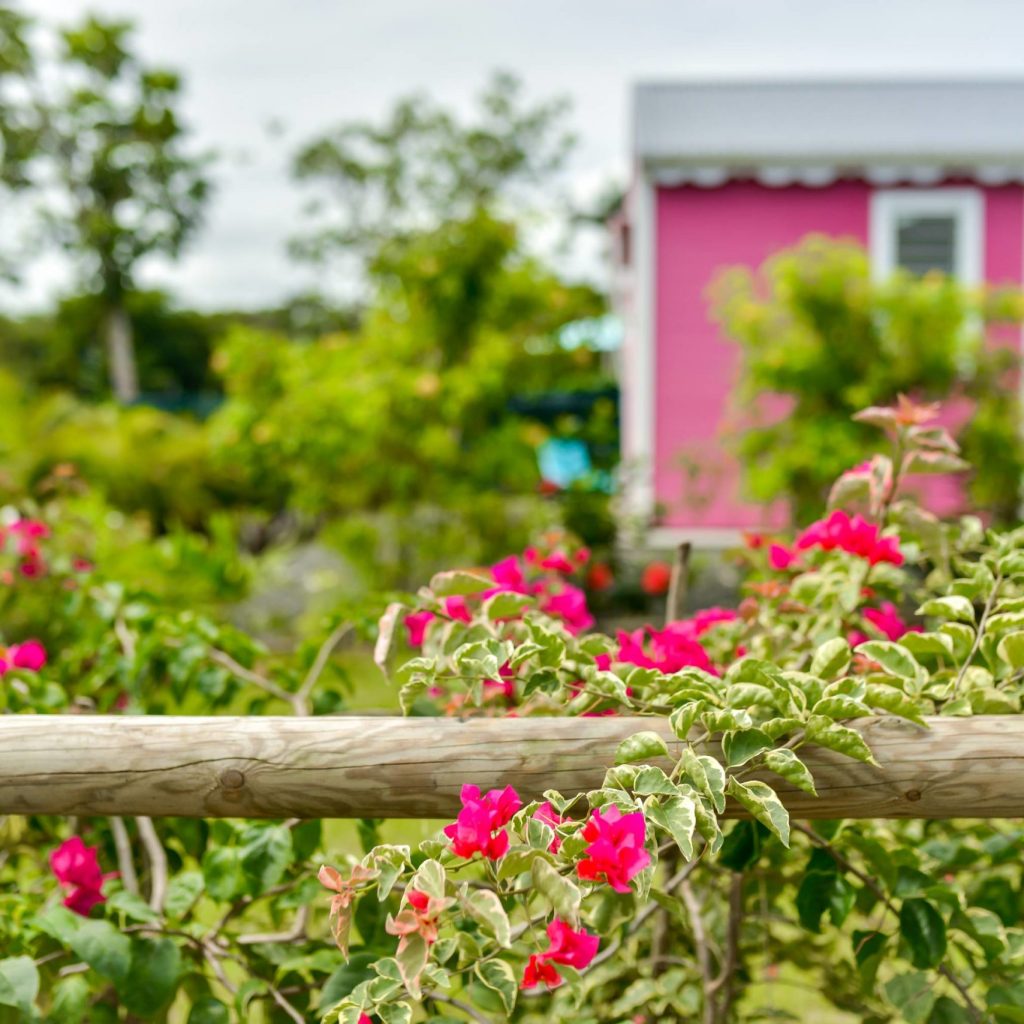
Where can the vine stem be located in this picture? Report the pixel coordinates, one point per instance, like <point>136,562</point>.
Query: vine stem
<point>979,635</point>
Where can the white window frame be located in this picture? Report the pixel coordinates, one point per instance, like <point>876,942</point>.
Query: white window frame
<point>965,205</point>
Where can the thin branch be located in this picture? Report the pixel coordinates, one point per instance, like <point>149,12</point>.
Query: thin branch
<point>440,997</point>
<point>979,636</point>
<point>125,863</point>
<point>700,944</point>
<point>319,664</point>
<point>225,660</point>
<point>296,933</point>
<point>732,948</point>
<point>157,863</point>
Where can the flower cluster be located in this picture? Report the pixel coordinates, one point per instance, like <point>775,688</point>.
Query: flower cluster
<point>616,852</point>
<point>22,538</point>
<point>554,594</point>
<point>566,945</point>
<point>840,531</point>
<point>31,656</point>
<point>480,826</point>
<point>675,647</point>
<point>76,867</point>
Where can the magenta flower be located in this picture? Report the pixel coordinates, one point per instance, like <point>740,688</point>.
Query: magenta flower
<point>416,623</point>
<point>616,852</point>
<point>667,650</point>
<point>888,622</point>
<point>781,558</point>
<point>456,608</point>
<point>569,604</point>
<point>853,534</point>
<point>540,972</point>
<point>566,946</point>
<point>77,868</point>
<point>480,825</point>
<point>508,574</point>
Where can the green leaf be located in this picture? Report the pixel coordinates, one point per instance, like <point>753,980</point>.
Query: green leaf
<point>223,875</point>
<point>954,606</point>
<point>641,746</point>
<point>948,1011</point>
<point>913,995</point>
<point>411,961</point>
<point>839,738</point>
<point>506,605</point>
<point>895,701</point>
<point>791,768</point>
<point>70,998</point>
<point>707,775</point>
<point>19,983</point>
<point>430,878</point>
<point>762,803</point>
<point>894,659</point>
<point>840,706</point>
<point>831,659</point>
<point>341,983</point>
<point>104,949</point>
<point>484,906</point>
<point>563,894</point>
<point>681,720</point>
<point>822,891</point>
<point>677,815</point>
<point>922,927</point>
<point>152,977</point>
<point>133,906</point>
<point>743,845</point>
<point>208,1010</point>
<point>739,747</point>
<point>497,976</point>
<point>394,1013</point>
<point>928,643</point>
<point>393,615</point>
<point>652,780</point>
<point>1011,649</point>
<point>182,892</point>
<point>266,853</point>
<point>459,583</point>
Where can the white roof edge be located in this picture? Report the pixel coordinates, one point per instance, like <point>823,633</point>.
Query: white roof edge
<point>851,121</point>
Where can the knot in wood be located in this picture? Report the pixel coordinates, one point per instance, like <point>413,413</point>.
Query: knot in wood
<point>913,794</point>
<point>232,778</point>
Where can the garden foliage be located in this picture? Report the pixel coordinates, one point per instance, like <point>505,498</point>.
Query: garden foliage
<point>635,902</point>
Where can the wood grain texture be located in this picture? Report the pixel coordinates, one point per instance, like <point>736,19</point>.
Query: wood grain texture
<point>340,767</point>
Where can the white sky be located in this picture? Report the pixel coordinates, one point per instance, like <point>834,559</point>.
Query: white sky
<point>310,64</point>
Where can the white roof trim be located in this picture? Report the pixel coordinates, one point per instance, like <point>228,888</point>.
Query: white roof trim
<point>822,175</point>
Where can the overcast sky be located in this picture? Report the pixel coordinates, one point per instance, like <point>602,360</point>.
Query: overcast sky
<point>308,64</point>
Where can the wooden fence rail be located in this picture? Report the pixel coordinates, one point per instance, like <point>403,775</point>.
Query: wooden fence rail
<point>413,767</point>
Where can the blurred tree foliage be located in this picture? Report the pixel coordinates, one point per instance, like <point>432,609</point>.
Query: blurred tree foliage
<point>126,184</point>
<point>378,185</point>
<point>816,331</point>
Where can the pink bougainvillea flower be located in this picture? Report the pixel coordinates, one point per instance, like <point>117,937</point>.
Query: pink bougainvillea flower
<point>417,623</point>
<point>456,608</point>
<point>363,1019</point>
<point>569,604</point>
<point>76,866</point>
<point>616,852</point>
<point>345,890</point>
<point>30,655</point>
<point>781,558</point>
<point>888,622</point>
<point>508,574</point>
<point>539,971</point>
<point>480,825</point>
<point>546,813</point>
<point>569,946</point>
<point>852,534</point>
<point>667,650</point>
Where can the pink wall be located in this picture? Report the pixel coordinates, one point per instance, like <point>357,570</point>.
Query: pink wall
<point>700,231</point>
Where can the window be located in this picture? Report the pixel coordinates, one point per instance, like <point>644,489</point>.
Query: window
<point>927,229</point>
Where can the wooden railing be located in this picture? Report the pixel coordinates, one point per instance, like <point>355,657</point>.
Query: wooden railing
<point>333,767</point>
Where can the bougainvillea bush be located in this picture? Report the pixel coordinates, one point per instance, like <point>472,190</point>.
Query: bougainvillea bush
<point>639,902</point>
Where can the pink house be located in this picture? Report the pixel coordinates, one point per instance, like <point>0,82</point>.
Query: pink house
<point>926,174</point>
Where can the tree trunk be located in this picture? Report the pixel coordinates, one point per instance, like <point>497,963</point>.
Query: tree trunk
<point>124,378</point>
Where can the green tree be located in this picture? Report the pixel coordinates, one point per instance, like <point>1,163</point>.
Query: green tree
<point>376,184</point>
<point>19,122</point>
<point>815,329</point>
<point>129,186</point>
